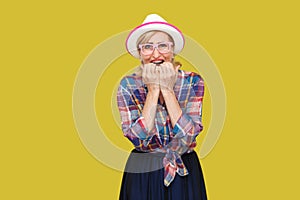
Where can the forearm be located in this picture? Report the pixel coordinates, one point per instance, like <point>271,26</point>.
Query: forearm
<point>149,110</point>
<point>172,104</point>
<point>186,127</point>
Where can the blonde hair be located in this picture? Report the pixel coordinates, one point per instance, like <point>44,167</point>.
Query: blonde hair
<point>144,38</point>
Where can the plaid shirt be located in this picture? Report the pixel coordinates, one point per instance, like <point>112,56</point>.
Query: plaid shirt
<point>173,141</point>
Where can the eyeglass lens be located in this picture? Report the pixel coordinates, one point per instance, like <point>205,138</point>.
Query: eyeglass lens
<point>161,47</point>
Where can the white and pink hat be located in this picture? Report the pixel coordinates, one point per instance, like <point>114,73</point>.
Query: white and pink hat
<point>151,23</point>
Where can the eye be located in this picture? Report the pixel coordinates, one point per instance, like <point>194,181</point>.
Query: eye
<point>147,46</point>
<point>163,46</point>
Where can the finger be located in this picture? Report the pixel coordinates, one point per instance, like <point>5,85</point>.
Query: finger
<point>157,70</point>
<point>169,70</point>
<point>164,65</point>
<point>163,70</point>
<point>152,70</point>
<point>176,70</point>
<point>155,74</point>
<point>169,66</point>
<point>146,72</point>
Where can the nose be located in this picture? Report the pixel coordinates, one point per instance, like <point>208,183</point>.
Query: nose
<point>155,53</point>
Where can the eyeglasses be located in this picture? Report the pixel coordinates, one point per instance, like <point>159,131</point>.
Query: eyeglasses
<point>163,47</point>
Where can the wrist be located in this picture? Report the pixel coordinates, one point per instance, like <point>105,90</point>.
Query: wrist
<point>153,88</point>
<point>166,91</point>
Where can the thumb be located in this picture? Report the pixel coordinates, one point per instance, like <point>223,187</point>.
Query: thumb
<point>176,69</point>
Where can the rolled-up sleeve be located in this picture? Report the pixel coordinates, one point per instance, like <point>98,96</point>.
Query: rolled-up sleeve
<point>133,122</point>
<point>189,124</point>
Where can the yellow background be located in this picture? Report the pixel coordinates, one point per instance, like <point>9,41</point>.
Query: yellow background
<point>255,45</point>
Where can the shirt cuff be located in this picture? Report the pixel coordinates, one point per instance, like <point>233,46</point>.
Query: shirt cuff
<point>183,126</point>
<point>141,131</point>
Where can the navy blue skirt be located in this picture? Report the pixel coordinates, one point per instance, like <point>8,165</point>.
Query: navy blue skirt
<point>143,179</point>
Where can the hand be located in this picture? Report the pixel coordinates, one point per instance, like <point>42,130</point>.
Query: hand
<point>167,76</point>
<point>150,76</point>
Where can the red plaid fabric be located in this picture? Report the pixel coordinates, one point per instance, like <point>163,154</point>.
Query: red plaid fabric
<point>173,141</point>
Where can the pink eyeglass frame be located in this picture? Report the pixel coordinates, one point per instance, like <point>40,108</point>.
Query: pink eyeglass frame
<point>155,46</point>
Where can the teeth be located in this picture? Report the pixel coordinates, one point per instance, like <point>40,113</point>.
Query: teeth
<point>158,61</point>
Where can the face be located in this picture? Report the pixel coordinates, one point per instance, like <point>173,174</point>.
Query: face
<point>156,55</point>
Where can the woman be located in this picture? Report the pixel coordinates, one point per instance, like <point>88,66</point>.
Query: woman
<point>160,108</point>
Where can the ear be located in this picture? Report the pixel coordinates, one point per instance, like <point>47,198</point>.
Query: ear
<point>173,56</point>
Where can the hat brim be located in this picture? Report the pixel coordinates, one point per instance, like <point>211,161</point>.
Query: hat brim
<point>173,31</point>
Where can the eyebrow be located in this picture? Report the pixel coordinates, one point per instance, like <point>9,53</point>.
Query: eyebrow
<point>157,42</point>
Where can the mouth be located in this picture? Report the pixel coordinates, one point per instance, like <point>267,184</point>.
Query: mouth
<point>157,62</point>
